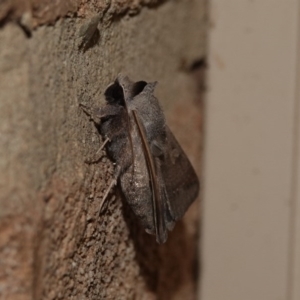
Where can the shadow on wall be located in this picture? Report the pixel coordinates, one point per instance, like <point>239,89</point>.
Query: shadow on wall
<point>165,268</point>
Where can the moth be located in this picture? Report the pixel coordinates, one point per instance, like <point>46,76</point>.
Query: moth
<point>155,175</point>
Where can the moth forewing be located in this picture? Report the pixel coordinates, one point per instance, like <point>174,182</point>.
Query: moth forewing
<point>157,197</point>
<point>136,182</point>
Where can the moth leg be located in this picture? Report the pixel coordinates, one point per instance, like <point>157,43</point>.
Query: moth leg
<point>111,185</point>
<point>96,114</point>
<point>97,157</point>
<point>102,146</point>
<point>91,112</point>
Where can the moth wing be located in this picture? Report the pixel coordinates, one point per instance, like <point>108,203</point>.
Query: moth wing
<point>179,178</point>
<point>158,194</point>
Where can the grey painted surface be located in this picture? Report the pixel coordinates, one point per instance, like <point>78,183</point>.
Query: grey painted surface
<point>251,233</point>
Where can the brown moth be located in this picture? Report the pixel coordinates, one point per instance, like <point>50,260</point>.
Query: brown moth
<point>155,176</point>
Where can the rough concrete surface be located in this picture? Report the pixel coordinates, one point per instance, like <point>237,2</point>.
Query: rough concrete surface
<point>54,244</point>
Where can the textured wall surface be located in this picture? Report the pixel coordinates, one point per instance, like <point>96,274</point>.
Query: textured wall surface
<point>54,244</point>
